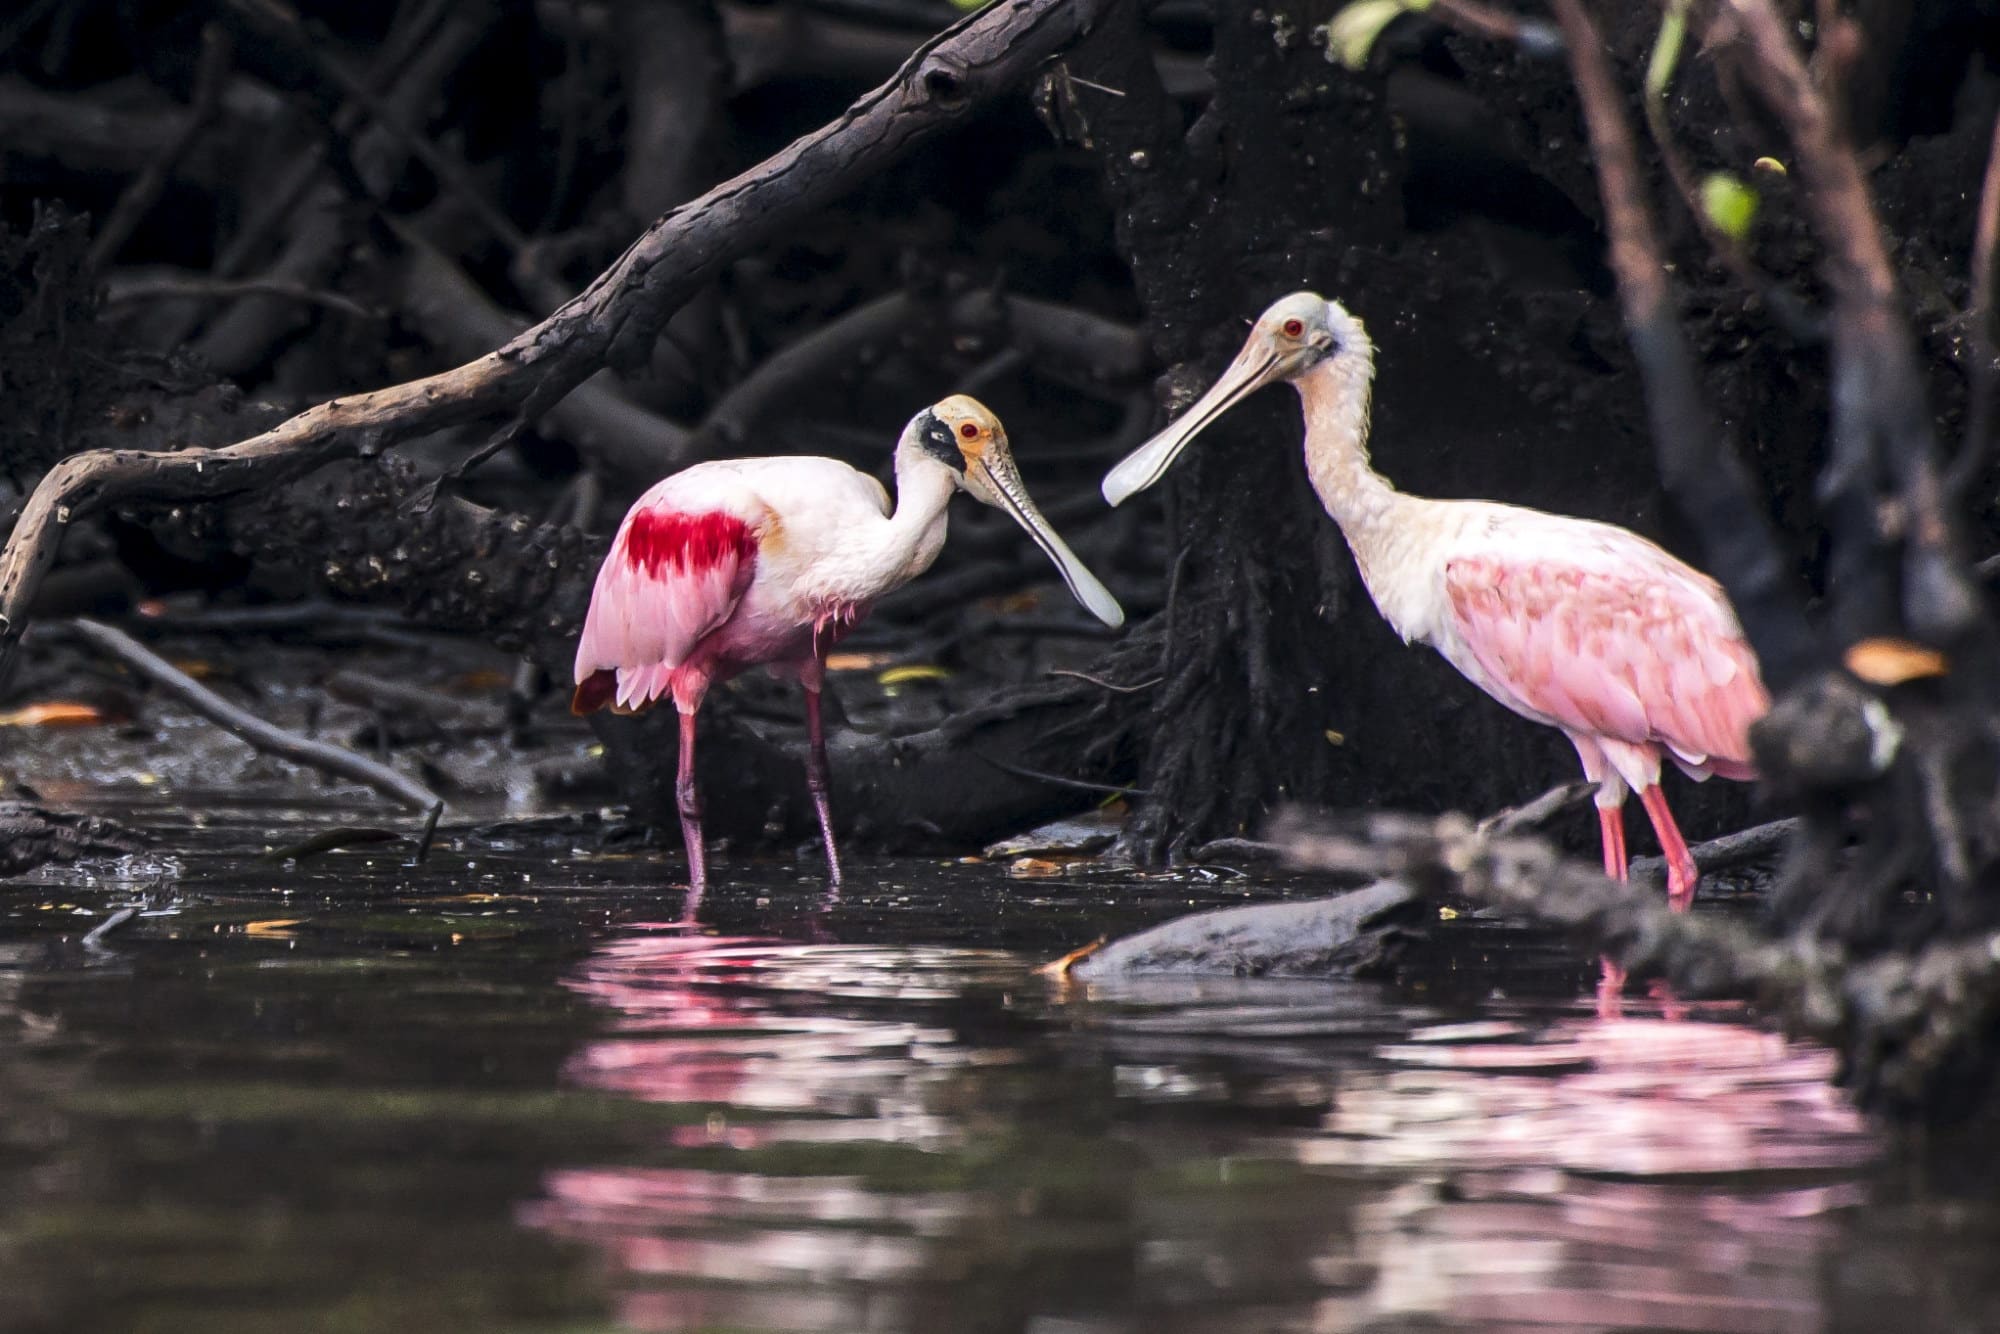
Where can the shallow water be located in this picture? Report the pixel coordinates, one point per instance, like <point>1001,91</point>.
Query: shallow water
<point>509,1091</point>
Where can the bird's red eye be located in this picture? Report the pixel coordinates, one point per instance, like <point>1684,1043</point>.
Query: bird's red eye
<point>969,431</point>
<point>1293,328</point>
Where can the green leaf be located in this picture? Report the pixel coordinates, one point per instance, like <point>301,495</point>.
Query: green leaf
<point>1351,35</point>
<point>969,5</point>
<point>1730,204</point>
<point>1667,48</point>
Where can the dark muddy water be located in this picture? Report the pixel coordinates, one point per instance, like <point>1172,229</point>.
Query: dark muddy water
<point>506,1091</point>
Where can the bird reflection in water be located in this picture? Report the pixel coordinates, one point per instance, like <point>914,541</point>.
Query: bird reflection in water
<point>925,1139</point>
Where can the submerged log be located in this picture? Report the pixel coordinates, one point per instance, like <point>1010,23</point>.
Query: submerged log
<point>1358,934</point>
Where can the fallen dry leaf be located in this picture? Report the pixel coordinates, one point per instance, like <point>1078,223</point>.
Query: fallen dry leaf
<point>856,662</point>
<point>53,713</point>
<point>1891,662</point>
<point>896,676</point>
<point>1029,868</point>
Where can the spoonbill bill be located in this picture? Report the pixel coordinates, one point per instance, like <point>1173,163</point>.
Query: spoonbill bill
<point>1580,625</point>
<point>738,563</point>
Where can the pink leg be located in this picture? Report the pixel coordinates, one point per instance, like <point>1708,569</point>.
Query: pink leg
<point>1611,827</point>
<point>1611,824</point>
<point>816,781</point>
<point>1681,870</point>
<point>688,797</point>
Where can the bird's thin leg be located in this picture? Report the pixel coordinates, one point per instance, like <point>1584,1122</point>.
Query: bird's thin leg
<point>1611,825</point>
<point>688,797</point>
<point>1611,828</point>
<point>816,781</point>
<point>1681,870</point>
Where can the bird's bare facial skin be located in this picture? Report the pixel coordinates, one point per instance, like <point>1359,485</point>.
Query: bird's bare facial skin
<point>1296,330</point>
<point>938,438</point>
<point>973,430</point>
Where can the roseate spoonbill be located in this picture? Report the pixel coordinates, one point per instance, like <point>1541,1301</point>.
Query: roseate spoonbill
<point>738,563</point>
<point>1580,625</point>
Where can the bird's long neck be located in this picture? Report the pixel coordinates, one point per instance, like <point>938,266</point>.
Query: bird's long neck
<point>1390,534</point>
<point>1335,399</point>
<point>911,538</point>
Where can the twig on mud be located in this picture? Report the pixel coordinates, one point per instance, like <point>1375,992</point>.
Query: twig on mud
<point>94,938</point>
<point>248,727</point>
<point>1100,682</point>
<point>139,197</point>
<point>625,307</point>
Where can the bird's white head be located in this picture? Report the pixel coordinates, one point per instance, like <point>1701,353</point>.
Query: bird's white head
<point>1297,334</point>
<point>961,433</point>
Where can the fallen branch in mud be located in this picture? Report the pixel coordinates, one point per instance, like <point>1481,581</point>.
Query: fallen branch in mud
<point>1914,1030</point>
<point>241,723</point>
<point>616,317</point>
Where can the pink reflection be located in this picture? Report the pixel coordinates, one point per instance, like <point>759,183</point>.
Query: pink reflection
<point>1637,1097</point>
<point>741,1027</point>
<point>1633,1174</point>
<point>1556,1182</point>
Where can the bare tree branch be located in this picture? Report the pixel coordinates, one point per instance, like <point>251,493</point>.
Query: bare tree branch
<point>248,727</point>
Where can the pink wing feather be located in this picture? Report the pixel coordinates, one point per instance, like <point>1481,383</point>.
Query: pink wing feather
<point>671,577</point>
<point>1616,639</point>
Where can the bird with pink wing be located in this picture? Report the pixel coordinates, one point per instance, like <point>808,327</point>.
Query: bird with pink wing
<point>739,563</point>
<point>1583,626</point>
